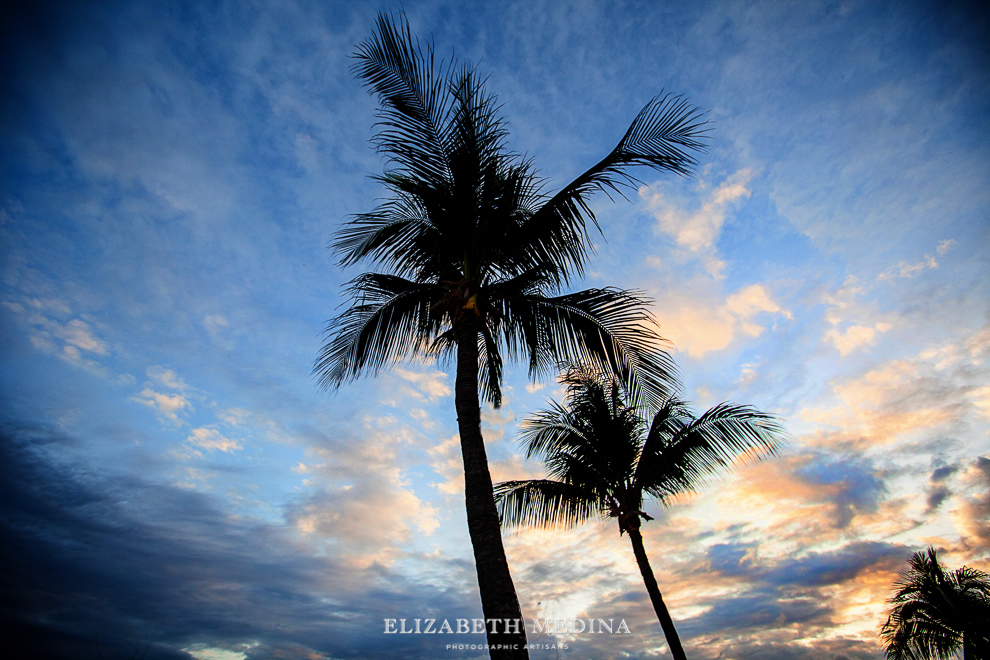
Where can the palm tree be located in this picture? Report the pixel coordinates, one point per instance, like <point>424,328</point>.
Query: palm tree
<point>936,612</point>
<point>476,256</point>
<point>603,457</point>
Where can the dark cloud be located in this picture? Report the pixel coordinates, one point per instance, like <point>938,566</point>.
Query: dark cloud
<point>982,464</point>
<point>938,491</point>
<point>730,558</point>
<point>98,566</point>
<point>820,569</point>
<point>860,487</point>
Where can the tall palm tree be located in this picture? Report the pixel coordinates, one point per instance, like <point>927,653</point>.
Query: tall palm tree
<point>938,612</point>
<point>603,457</point>
<point>476,255</point>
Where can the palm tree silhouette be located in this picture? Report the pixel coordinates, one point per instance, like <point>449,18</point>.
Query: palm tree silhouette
<point>602,457</point>
<point>476,255</point>
<point>936,612</point>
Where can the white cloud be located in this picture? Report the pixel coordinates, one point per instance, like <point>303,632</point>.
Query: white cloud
<point>215,324</point>
<point>210,439</point>
<point>847,336</point>
<point>448,464</point>
<point>78,333</point>
<point>904,269</point>
<point>697,231</point>
<point>428,385</point>
<point>932,394</point>
<point>74,341</point>
<point>168,406</point>
<point>367,520</point>
<point>855,336</point>
<point>981,400</point>
<point>945,246</point>
<point>696,326</point>
<point>234,416</point>
<point>166,377</point>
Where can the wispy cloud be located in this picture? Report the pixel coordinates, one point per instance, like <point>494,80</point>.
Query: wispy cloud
<point>697,231</point>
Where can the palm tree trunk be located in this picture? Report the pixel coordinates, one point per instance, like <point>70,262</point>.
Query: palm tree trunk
<point>673,641</point>
<point>498,595</point>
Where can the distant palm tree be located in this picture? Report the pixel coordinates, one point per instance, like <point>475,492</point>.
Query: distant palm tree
<point>602,457</point>
<point>937,612</point>
<point>477,256</point>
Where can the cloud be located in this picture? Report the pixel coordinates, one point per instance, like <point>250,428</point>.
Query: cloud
<point>907,270</point>
<point>113,559</point>
<point>77,333</point>
<point>981,400</point>
<point>844,335</point>
<point>215,324</point>
<point>972,511</point>
<point>167,378</point>
<point>855,336</point>
<point>696,327</point>
<point>446,461</point>
<point>367,521</point>
<point>210,439</point>
<point>427,385</point>
<point>945,246</point>
<point>938,490</point>
<point>937,390</point>
<point>74,341</point>
<point>697,231</point>
<point>168,406</point>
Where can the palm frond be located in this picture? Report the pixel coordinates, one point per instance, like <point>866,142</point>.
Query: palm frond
<point>544,432</point>
<point>398,235</point>
<point>662,136</point>
<point>412,92</point>
<point>609,329</point>
<point>392,319</point>
<point>544,503</point>
<point>489,368</point>
<point>698,450</point>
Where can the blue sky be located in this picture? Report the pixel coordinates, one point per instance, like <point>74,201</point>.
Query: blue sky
<point>173,478</point>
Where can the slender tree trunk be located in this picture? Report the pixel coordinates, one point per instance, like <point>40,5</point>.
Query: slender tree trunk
<point>968,646</point>
<point>498,595</point>
<point>673,641</point>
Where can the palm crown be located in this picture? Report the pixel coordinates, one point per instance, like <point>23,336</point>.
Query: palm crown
<point>936,612</point>
<point>602,456</point>
<point>469,231</point>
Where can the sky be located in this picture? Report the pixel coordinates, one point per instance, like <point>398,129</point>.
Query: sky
<point>174,483</point>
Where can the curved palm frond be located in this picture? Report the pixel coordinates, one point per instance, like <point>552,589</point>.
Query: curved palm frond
<point>392,320</point>
<point>412,91</point>
<point>609,329</point>
<point>489,368</point>
<point>399,235</point>
<point>544,503</point>
<point>662,136</point>
<point>545,431</point>
<point>682,454</point>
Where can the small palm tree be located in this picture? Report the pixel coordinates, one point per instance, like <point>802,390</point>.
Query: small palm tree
<point>476,256</point>
<point>938,612</point>
<point>603,458</point>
